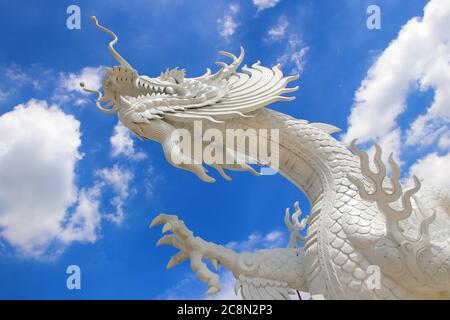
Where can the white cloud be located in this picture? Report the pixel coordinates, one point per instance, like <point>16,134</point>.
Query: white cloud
<point>234,8</point>
<point>265,4</point>
<point>444,141</point>
<point>42,209</point>
<point>298,58</point>
<point>38,152</point>
<point>418,58</point>
<point>257,241</point>
<point>278,32</point>
<point>123,145</point>
<point>69,89</point>
<point>294,55</point>
<point>3,95</point>
<point>390,143</point>
<point>19,77</point>
<point>294,52</point>
<point>91,76</point>
<point>228,23</point>
<point>433,169</point>
<point>84,223</point>
<point>119,179</point>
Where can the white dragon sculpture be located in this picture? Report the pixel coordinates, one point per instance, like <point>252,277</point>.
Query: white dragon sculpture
<point>366,237</point>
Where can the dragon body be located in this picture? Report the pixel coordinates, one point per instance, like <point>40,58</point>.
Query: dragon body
<point>366,237</point>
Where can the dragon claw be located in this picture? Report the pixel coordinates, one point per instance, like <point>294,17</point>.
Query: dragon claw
<point>211,291</point>
<point>215,263</point>
<point>176,259</point>
<point>167,227</point>
<point>162,218</point>
<point>167,240</point>
<point>193,248</point>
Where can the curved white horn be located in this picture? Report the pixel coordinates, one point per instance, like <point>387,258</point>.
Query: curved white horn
<point>113,51</point>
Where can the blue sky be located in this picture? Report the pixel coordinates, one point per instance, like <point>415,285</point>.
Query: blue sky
<point>75,188</point>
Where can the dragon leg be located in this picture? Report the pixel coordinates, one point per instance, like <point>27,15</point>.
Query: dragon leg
<point>264,274</point>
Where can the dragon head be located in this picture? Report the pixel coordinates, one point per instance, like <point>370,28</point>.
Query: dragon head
<point>153,108</point>
<point>124,89</point>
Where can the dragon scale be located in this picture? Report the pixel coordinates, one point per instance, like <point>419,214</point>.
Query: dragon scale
<point>340,241</point>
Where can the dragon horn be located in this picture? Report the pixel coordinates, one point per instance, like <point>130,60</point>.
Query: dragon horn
<point>113,51</point>
<point>228,70</point>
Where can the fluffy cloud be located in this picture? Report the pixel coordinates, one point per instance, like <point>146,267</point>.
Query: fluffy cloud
<point>15,74</point>
<point>433,169</point>
<point>278,31</point>
<point>228,23</point>
<point>295,56</point>
<point>257,241</point>
<point>3,95</point>
<point>123,145</point>
<point>417,59</point>
<point>390,143</point>
<point>38,152</point>
<point>265,4</point>
<point>119,180</point>
<point>294,53</point>
<point>69,89</point>
<point>91,76</point>
<point>42,209</point>
<point>15,79</point>
<point>84,223</point>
